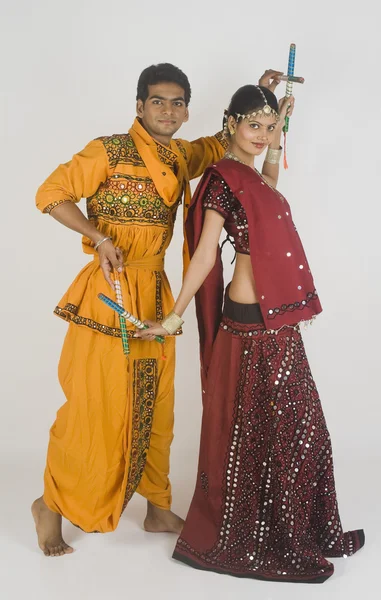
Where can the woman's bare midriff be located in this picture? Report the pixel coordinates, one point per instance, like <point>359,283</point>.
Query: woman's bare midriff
<point>242,287</point>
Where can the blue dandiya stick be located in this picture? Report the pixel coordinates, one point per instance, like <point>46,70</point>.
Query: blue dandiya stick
<point>126,315</point>
<point>290,73</point>
<point>289,86</point>
<point>122,320</point>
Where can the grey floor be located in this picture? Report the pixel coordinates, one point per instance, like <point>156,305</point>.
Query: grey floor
<point>130,563</point>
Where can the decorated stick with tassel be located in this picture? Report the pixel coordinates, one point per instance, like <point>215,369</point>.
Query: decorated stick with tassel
<point>289,86</point>
<point>127,316</point>
<point>122,320</point>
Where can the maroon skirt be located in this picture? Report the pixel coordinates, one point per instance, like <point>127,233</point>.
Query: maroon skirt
<point>265,503</point>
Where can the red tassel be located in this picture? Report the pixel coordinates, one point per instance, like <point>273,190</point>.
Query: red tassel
<point>163,357</point>
<point>285,163</point>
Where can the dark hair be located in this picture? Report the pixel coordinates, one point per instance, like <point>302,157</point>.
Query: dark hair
<point>248,98</point>
<point>164,72</point>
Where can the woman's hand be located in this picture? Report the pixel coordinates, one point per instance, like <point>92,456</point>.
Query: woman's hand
<point>153,330</point>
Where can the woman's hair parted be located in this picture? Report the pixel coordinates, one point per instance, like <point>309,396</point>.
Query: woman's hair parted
<point>162,73</point>
<point>248,99</point>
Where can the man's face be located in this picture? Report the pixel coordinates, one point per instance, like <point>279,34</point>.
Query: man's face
<point>164,111</point>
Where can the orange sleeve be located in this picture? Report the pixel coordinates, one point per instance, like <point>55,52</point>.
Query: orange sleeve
<point>79,178</point>
<point>203,152</point>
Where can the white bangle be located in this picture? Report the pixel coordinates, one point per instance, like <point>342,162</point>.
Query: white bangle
<point>105,239</point>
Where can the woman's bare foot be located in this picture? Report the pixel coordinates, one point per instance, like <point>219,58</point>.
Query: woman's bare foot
<point>162,521</point>
<point>49,530</point>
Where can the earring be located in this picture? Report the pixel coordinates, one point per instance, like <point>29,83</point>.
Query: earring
<point>231,131</point>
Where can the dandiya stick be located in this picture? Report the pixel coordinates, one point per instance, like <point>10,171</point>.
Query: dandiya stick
<point>289,86</point>
<point>126,315</point>
<point>122,320</point>
<point>291,78</point>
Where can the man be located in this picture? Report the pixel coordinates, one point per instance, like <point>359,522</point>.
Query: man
<point>112,436</point>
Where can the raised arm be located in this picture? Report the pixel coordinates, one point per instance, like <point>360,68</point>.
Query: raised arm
<point>271,171</point>
<point>201,153</point>
<point>270,79</point>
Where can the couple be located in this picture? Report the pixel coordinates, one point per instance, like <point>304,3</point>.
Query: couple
<point>112,436</point>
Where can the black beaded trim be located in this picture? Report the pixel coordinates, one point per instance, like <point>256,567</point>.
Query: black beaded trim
<point>69,313</point>
<point>275,312</point>
<point>159,303</point>
<point>257,331</point>
<point>182,149</point>
<point>48,209</point>
<point>222,140</point>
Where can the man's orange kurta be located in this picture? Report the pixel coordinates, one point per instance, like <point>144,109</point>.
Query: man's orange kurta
<point>113,434</point>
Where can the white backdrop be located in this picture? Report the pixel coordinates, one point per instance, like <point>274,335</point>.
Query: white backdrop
<point>69,75</point>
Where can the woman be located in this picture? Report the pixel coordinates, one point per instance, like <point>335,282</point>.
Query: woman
<point>265,502</point>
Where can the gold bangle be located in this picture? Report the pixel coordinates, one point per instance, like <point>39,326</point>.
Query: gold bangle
<point>273,156</point>
<point>172,323</point>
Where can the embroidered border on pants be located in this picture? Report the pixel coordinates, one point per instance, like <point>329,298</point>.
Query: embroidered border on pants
<point>144,396</point>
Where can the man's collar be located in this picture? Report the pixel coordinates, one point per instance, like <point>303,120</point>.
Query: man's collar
<point>150,141</point>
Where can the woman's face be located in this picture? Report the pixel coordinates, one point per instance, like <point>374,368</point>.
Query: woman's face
<point>253,135</point>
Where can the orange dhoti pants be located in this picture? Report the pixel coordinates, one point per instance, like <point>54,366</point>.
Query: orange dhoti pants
<point>112,437</point>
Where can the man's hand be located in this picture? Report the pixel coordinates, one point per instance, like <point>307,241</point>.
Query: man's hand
<point>270,79</point>
<point>110,258</point>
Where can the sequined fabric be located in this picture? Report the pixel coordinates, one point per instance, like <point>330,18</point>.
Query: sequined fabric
<point>219,197</point>
<point>271,509</point>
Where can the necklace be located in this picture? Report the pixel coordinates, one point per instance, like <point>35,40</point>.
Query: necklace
<point>232,156</point>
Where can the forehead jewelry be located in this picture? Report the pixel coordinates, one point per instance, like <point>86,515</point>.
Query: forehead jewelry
<point>266,110</point>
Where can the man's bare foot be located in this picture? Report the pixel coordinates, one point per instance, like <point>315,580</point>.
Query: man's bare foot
<point>162,521</point>
<point>49,530</point>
